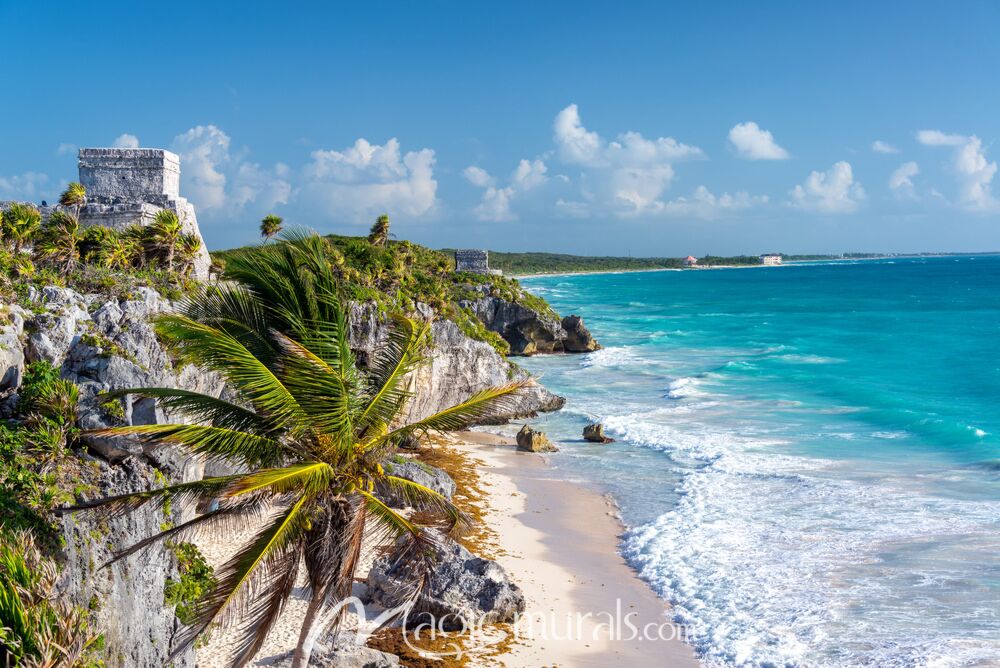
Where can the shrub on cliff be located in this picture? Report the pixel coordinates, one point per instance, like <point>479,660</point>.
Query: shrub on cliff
<point>311,431</point>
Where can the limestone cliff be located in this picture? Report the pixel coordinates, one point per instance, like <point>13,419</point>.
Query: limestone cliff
<point>104,344</point>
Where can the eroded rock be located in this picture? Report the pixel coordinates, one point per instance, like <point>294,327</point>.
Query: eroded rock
<point>530,440</point>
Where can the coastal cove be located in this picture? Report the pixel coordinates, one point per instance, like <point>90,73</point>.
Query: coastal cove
<point>816,444</point>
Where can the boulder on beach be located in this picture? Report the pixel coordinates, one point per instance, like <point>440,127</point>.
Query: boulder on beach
<point>463,589</point>
<point>595,434</point>
<point>429,476</point>
<point>530,440</point>
<point>346,656</point>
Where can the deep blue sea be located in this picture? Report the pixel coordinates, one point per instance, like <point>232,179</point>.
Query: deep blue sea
<point>807,456</point>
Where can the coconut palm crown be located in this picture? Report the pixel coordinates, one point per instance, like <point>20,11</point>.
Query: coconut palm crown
<point>270,225</point>
<point>379,234</point>
<point>309,428</point>
<point>75,196</point>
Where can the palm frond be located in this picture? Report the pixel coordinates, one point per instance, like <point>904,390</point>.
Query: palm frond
<point>215,443</point>
<point>392,363</point>
<point>217,350</point>
<point>303,478</point>
<point>393,524</point>
<point>229,518</point>
<point>481,405</point>
<point>422,497</point>
<point>256,565</point>
<point>202,408</point>
<point>207,488</point>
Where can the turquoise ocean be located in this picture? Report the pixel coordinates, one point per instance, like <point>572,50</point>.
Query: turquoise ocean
<point>807,456</point>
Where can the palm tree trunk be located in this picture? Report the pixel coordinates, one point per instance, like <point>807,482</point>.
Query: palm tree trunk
<point>307,636</point>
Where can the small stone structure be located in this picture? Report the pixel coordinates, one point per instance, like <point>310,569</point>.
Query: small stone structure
<point>129,186</point>
<point>770,260</point>
<point>475,261</point>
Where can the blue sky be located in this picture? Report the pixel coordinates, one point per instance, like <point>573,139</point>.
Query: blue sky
<point>599,128</point>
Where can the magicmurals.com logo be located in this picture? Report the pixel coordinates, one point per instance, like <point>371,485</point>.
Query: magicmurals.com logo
<point>452,635</point>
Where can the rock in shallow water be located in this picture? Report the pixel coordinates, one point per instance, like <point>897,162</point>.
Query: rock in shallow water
<point>595,434</point>
<point>578,338</point>
<point>530,440</point>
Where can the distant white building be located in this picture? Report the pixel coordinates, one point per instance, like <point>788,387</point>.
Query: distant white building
<point>770,260</point>
<point>475,261</point>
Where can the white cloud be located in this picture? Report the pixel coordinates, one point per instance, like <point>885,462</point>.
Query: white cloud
<point>703,204</point>
<point>478,177</point>
<point>126,141</point>
<point>938,138</point>
<point>901,181</point>
<point>576,144</point>
<point>66,149</point>
<point>755,143</point>
<point>530,174</point>
<point>28,186</point>
<point>973,172</point>
<point>365,180</point>
<point>495,204</point>
<point>217,179</point>
<point>833,191</point>
<point>627,176</point>
<point>880,146</point>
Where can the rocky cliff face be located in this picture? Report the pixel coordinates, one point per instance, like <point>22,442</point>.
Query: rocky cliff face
<point>529,331</point>
<point>104,344</point>
<point>458,367</point>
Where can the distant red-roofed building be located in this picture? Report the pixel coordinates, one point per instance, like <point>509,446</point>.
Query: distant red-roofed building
<point>691,261</point>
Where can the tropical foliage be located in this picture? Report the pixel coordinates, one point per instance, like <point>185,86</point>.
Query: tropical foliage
<point>310,429</point>
<point>379,235</point>
<point>398,274</point>
<point>60,251</point>
<point>270,225</point>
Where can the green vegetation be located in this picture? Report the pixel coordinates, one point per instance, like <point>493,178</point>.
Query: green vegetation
<point>96,259</point>
<point>310,429</point>
<point>559,263</point>
<point>38,474</point>
<point>270,225</point>
<point>398,274</point>
<point>196,580</point>
<point>37,628</point>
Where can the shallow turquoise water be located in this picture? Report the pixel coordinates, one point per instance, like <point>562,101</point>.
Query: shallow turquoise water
<point>808,456</point>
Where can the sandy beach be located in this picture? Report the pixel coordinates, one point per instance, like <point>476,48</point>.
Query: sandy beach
<point>559,543</point>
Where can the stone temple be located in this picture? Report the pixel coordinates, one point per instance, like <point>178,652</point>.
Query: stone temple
<point>475,261</point>
<point>129,186</point>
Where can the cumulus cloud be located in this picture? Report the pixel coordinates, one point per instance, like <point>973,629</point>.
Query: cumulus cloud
<point>365,180</point>
<point>29,186</point>
<point>704,204</point>
<point>66,149</point>
<point>833,191</point>
<point>126,141</point>
<point>879,146</point>
<point>216,178</point>
<point>938,138</point>
<point>901,181</point>
<point>626,176</point>
<point>478,176</point>
<point>495,203</point>
<point>752,142</point>
<point>973,171</point>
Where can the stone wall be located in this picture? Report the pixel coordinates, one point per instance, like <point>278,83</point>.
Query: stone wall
<point>129,173</point>
<point>472,260</point>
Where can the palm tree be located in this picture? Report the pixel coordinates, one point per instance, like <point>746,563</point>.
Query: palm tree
<point>20,221</point>
<point>379,234</point>
<point>270,226</point>
<point>59,241</point>
<point>75,195</point>
<point>165,233</point>
<point>311,431</point>
<point>189,246</point>
<point>120,252</point>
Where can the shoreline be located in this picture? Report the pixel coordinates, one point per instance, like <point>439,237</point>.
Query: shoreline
<point>558,541</point>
